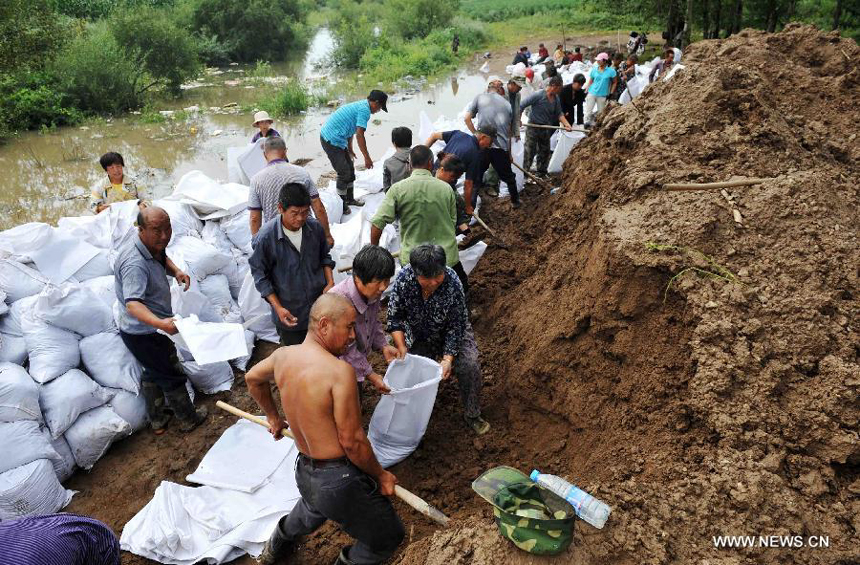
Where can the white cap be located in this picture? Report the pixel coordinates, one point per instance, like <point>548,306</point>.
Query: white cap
<point>261,116</point>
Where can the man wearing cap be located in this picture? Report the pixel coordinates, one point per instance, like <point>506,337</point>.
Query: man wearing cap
<point>336,139</point>
<point>515,86</point>
<point>492,108</point>
<point>471,150</point>
<point>266,186</point>
<point>546,111</point>
<point>263,122</point>
<point>602,81</point>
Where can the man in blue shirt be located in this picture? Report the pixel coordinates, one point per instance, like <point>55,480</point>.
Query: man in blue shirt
<point>336,135</point>
<point>471,151</point>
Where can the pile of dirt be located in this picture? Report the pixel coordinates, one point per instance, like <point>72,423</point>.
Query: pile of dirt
<point>701,375</point>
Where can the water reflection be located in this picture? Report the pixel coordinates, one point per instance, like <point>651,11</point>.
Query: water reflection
<point>47,176</point>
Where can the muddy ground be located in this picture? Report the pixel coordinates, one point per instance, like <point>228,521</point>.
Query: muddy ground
<point>697,374</point>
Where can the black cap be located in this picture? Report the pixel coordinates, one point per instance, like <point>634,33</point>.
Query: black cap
<point>379,96</point>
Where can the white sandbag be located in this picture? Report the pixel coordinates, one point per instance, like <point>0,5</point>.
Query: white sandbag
<point>22,240</point>
<point>65,466</point>
<point>237,228</point>
<point>251,160</point>
<point>104,287</point>
<point>235,272</point>
<point>241,363</point>
<point>52,351</point>
<point>131,408</point>
<point>68,396</point>
<point>110,363</point>
<point>20,281</point>
<point>470,256</point>
<point>13,349</point>
<point>209,198</point>
<point>98,266</point>
<point>75,308</point>
<point>19,395</point>
<point>210,342</point>
<point>211,378</point>
<point>517,154</point>
<point>212,234</point>
<point>93,433</point>
<point>62,256</point>
<point>23,442</point>
<point>187,302</point>
<point>566,142</point>
<point>11,322</point>
<point>202,258</point>
<point>95,230</point>
<point>31,490</point>
<point>256,311</point>
<point>400,418</point>
<point>4,307</point>
<point>183,219</point>
<point>217,289</point>
<point>333,205</point>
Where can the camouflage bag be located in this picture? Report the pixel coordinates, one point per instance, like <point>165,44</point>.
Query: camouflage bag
<point>535,519</point>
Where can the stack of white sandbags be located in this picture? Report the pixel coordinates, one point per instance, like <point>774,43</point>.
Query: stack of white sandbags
<point>31,464</point>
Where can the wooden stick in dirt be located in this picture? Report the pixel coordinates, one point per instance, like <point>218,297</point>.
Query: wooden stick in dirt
<point>414,501</point>
<point>713,185</point>
<point>531,176</point>
<point>541,126</point>
<point>501,241</point>
<point>345,269</point>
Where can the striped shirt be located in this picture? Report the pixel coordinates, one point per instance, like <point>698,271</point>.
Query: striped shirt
<point>342,124</point>
<point>266,186</point>
<point>57,539</point>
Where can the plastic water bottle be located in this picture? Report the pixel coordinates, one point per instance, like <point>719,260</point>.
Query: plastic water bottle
<point>587,507</point>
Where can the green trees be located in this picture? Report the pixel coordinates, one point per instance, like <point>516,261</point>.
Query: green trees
<point>412,19</point>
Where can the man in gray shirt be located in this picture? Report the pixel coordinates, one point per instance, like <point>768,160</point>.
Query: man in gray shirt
<point>545,111</point>
<point>267,183</point>
<point>141,272</point>
<point>291,264</point>
<point>491,107</point>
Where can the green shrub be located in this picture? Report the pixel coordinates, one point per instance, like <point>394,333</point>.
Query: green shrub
<point>166,53</point>
<point>261,70</point>
<point>211,51</point>
<point>354,33</point>
<point>253,29</point>
<point>96,9</point>
<point>31,100</point>
<point>289,99</point>
<point>417,18</point>
<point>30,34</point>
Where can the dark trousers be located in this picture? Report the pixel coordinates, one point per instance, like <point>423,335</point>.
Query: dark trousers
<point>346,495</point>
<point>291,337</point>
<point>464,278</point>
<point>341,162</point>
<point>500,160</point>
<point>157,354</point>
<point>537,145</point>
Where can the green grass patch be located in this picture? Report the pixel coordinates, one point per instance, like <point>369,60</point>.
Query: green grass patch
<point>707,266</point>
<point>499,10</point>
<point>291,98</point>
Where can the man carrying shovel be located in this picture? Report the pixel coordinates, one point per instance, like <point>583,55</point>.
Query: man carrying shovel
<point>337,473</point>
<point>546,111</point>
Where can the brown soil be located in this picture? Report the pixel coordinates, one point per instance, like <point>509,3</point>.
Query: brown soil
<point>694,406</point>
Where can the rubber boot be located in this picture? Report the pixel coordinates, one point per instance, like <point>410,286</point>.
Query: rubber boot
<point>342,558</point>
<point>158,416</point>
<point>277,547</point>
<point>350,197</point>
<point>188,417</point>
<point>346,209</point>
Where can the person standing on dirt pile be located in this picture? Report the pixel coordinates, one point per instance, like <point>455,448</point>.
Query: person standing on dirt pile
<point>617,60</point>
<point>492,108</point>
<point>572,100</point>
<point>522,57</point>
<point>449,171</point>
<point>291,264</point>
<point>266,187</point>
<point>263,122</point>
<point>426,208</point>
<point>601,83</point>
<point>470,149</point>
<point>118,187</point>
<point>546,111</point>
<point>337,473</point>
<point>140,282</point>
<point>372,270</point>
<point>61,539</point>
<point>663,65</point>
<point>336,139</point>
<point>396,168</point>
<point>427,316</point>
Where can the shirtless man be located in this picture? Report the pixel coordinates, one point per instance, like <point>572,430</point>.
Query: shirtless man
<point>337,473</point>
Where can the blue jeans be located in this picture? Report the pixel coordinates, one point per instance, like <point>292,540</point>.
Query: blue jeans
<point>341,492</point>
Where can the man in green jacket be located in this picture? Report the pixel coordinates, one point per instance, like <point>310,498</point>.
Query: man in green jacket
<point>427,210</point>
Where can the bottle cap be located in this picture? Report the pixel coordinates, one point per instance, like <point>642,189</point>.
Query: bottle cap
<point>534,475</point>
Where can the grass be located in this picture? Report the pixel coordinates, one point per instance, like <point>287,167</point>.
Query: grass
<point>261,70</point>
<point>498,10</point>
<point>711,268</point>
<point>291,98</point>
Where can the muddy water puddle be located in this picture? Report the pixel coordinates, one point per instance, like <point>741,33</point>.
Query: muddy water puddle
<point>45,176</point>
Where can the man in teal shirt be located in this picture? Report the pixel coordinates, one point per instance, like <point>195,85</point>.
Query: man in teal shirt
<point>336,136</point>
<point>427,210</point>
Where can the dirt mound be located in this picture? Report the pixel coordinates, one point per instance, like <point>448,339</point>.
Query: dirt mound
<point>705,372</point>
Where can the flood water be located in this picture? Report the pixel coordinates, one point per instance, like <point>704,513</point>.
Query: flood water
<point>44,176</point>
